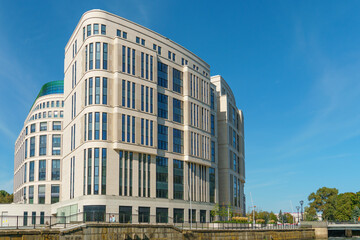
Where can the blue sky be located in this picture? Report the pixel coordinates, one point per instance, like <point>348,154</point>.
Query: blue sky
<point>293,66</point>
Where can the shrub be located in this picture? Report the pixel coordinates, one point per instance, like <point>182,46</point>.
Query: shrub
<point>240,219</point>
<point>260,221</point>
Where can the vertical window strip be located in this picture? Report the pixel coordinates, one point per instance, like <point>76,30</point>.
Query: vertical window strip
<point>91,54</point>
<point>133,95</point>
<point>105,56</point>
<point>90,126</point>
<point>151,133</point>
<point>120,173</point>
<point>147,99</point>
<point>84,183</point>
<point>103,171</point>
<point>123,58</point>
<point>147,133</point>
<point>147,66</point>
<point>89,171</point>
<point>86,92</point>
<point>104,126</point>
<point>133,130</point>
<point>105,91</point>
<point>128,60</point>
<point>123,92</point>
<point>151,68</point>
<point>97,55</point>
<point>151,100</point>
<point>123,128</point>
<point>128,128</point>
<point>133,62</point>
<point>90,91</point>
<point>128,94</point>
<point>96,171</point>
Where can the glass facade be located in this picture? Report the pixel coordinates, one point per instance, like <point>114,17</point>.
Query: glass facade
<point>162,75</point>
<point>178,176</point>
<point>162,137</point>
<point>177,110</point>
<point>161,177</point>
<point>162,105</point>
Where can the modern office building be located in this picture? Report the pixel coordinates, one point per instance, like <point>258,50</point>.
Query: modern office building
<point>140,131</point>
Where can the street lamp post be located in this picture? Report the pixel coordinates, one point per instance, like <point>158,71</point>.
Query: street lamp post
<point>298,207</point>
<point>302,216</point>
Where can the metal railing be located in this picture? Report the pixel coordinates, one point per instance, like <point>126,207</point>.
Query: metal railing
<point>49,222</point>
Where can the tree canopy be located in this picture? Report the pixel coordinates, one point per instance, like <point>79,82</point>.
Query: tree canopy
<point>332,205</point>
<point>5,197</point>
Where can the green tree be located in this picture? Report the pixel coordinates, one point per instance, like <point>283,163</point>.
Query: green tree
<point>281,217</point>
<point>344,206</point>
<point>324,201</point>
<point>288,218</point>
<point>273,217</point>
<point>5,197</point>
<point>355,213</point>
<point>310,214</point>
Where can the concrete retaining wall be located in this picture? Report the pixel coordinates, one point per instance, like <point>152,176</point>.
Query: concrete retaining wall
<point>122,231</point>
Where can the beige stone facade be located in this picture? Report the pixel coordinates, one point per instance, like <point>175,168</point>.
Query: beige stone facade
<point>143,127</point>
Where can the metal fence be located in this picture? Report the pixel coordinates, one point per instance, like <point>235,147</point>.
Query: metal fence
<point>36,221</point>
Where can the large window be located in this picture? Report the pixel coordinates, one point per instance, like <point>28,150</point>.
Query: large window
<point>178,215</point>
<point>212,151</point>
<point>144,214</point>
<point>90,126</point>
<point>91,56</point>
<point>162,105</point>
<point>55,193</point>
<point>26,148</point>
<point>177,80</point>
<point>105,55</point>
<point>31,194</point>
<point>103,171</point>
<point>103,29</point>
<point>32,128</point>
<point>32,171</point>
<point>97,55</point>
<point>96,171</point>
<point>56,126</point>
<point>212,184</point>
<point>42,145</point>
<point>43,126</point>
<point>212,120</point>
<point>212,99</point>
<point>32,146</point>
<point>42,170</point>
<point>178,179</point>
<point>178,142</point>
<point>56,144</point>
<point>162,75</point>
<point>161,177</point>
<point>41,194</point>
<point>125,214</point>
<point>55,169</point>
<point>162,137</point>
<point>104,91</point>
<point>104,126</point>
<point>96,28</point>
<point>177,110</point>
<point>97,90</point>
<point>97,126</point>
<point>162,215</point>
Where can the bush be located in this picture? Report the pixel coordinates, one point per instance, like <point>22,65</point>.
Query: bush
<point>260,221</point>
<point>271,222</point>
<point>240,219</point>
